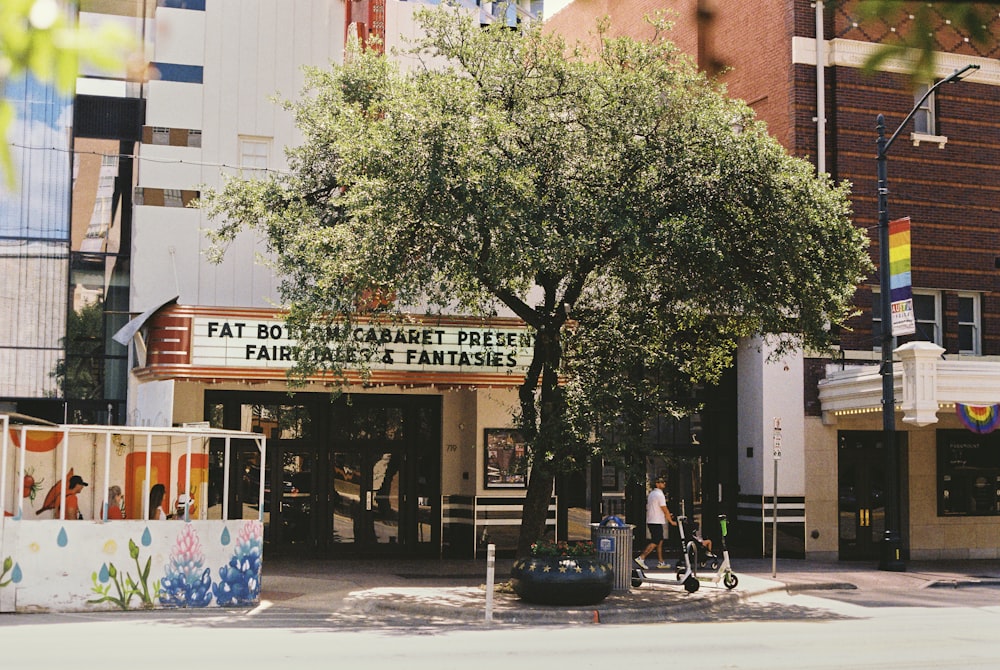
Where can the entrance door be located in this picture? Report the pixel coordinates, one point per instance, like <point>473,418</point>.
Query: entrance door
<point>385,465</point>
<point>861,486</point>
<point>368,497</point>
<point>297,496</point>
<point>358,476</point>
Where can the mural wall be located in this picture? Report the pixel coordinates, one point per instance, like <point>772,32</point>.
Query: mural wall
<point>54,565</point>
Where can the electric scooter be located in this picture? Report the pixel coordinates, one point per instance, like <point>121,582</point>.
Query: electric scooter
<point>685,574</point>
<point>723,569</point>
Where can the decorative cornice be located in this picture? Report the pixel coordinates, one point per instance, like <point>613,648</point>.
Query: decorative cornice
<point>853,54</point>
<point>933,382</point>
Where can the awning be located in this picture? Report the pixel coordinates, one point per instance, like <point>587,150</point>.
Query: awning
<point>128,331</point>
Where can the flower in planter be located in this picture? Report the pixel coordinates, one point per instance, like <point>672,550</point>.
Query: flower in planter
<point>545,547</point>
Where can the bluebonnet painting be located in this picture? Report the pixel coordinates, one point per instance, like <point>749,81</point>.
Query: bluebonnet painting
<point>186,581</point>
<point>239,580</point>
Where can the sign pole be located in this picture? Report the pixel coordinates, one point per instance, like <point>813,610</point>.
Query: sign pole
<point>774,498</point>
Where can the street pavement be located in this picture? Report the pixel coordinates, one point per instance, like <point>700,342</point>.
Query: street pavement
<point>452,591</point>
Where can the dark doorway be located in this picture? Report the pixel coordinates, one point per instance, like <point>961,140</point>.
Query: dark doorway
<point>356,476</point>
<point>861,492</point>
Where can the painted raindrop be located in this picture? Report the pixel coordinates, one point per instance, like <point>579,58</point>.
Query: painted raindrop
<point>225,539</point>
<point>147,537</point>
<point>16,575</point>
<point>104,576</point>
<point>63,539</point>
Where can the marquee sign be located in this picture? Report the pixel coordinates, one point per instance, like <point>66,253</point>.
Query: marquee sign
<point>267,343</point>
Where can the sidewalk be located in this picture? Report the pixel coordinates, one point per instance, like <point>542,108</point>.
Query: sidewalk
<point>441,591</point>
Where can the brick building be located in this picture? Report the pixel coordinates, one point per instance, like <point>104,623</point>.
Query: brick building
<point>943,175</point>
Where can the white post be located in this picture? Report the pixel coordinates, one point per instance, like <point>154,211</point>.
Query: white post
<point>23,457</point>
<point>225,483</point>
<point>65,469</point>
<point>107,473</point>
<point>774,499</point>
<point>147,482</point>
<point>187,482</point>
<point>5,422</point>
<point>491,550</point>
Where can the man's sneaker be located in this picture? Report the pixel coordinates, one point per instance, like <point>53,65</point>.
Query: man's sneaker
<point>640,562</point>
<point>662,565</point>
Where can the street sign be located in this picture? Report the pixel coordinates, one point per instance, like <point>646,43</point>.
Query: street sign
<point>776,444</point>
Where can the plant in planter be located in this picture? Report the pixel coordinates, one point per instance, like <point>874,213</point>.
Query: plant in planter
<point>562,573</point>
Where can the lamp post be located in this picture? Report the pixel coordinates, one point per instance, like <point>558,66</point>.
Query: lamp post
<point>890,557</point>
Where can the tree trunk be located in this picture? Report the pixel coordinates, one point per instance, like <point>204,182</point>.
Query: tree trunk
<point>535,511</point>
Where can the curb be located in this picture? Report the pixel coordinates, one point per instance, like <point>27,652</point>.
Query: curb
<point>511,610</point>
<point>962,581</point>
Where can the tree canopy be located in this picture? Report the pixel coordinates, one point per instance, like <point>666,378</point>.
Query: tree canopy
<point>637,219</point>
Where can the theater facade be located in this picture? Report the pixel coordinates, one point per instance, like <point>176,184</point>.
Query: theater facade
<point>417,457</point>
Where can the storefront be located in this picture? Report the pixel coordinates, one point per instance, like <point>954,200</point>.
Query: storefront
<point>417,459</point>
<point>948,458</point>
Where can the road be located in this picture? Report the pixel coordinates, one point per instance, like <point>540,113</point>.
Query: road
<point>954,628</point>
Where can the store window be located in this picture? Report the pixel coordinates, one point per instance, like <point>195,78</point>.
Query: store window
<point>968,476</point>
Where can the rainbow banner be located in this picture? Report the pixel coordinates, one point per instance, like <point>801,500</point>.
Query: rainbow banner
<point>979,418</point>
<point>900,289</point>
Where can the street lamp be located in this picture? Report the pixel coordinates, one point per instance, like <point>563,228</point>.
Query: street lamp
<point>891,544</point>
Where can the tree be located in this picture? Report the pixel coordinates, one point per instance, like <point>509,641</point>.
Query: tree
<point>616,201</point>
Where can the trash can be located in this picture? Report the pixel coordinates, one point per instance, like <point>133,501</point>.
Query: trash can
<point>612,538</point>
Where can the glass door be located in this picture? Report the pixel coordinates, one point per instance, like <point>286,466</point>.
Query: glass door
<point>355,476</point>
<point>297,497</point>
<point>385,473</point>
<point>861,505</point>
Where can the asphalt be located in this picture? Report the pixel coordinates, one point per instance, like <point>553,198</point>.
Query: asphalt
<point>453,591</point>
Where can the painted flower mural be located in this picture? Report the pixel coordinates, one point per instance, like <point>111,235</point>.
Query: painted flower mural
<point>186,582</point>
<point>239,581</point>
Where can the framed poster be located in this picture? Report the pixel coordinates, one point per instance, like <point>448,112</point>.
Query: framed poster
<point>506,459</point>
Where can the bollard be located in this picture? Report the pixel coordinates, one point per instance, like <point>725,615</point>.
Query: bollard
<point>491,551</point>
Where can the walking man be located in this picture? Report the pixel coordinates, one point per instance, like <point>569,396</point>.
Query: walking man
<point>657,516</point>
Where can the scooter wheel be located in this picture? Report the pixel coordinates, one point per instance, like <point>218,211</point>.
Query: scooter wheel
<point>636,582</point>
<point>730,581</point>
<point>680,573</point>
<point>713,564</point>
<point>691,584</point>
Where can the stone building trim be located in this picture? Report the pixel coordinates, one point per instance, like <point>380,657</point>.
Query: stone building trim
<point>925,384</point>
<point>853,54</point>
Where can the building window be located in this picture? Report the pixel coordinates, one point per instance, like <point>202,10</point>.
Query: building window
<point>927,313</point>
<point>254,153</point>
<point>161,135</point>
<point>172,197</point>
<point>194,138</point>
<point>968,473</point>
<point>968,324</point>
<point>924,120</point>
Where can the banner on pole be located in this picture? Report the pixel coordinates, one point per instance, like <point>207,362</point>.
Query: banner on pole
<point>900,289</point>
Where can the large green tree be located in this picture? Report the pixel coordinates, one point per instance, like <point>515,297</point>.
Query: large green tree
<point>638,220</point>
